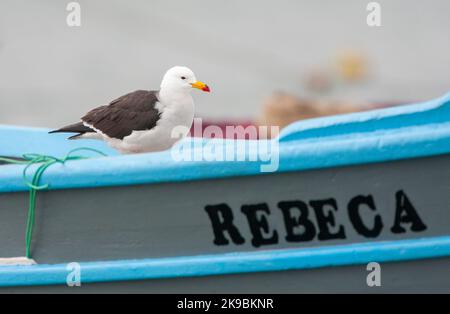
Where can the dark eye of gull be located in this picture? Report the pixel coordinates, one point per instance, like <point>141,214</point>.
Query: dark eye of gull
<point>183,77</point>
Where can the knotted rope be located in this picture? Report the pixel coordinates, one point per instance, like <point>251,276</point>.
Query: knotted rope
<point>44,162</point>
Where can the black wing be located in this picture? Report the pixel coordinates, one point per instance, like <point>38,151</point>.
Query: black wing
<point>135,111</point>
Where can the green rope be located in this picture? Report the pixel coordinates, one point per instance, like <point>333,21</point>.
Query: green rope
<point>44,162</point>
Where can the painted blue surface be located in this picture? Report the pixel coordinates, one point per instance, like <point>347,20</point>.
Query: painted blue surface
<point>431,112</point>
<point>231,263</point>
<point>375,136</point>
<point>16,141</point>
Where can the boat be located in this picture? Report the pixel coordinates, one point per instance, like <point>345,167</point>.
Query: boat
<point>336,201</point>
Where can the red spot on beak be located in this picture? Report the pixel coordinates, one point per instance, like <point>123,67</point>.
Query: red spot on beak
<point>206,89</point>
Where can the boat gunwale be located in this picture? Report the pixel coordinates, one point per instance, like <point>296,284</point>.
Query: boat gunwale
<point>229,263</point>
<point>365,137</point>
<point>381,146</point>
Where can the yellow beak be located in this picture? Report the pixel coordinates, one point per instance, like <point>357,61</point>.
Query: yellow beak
<point>201,86</point>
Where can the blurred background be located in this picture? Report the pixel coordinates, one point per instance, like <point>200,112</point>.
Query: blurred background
<point>266,61</point>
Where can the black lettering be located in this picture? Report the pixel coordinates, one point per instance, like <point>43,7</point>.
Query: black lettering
<point>324,221</point>
<point>259,225</point>
<point>355,216</point>
<point>291,222</point>
<point>406,213</point>
<point>220,226</point>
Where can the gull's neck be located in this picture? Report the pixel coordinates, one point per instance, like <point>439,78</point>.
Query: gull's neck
<point>174,96</point>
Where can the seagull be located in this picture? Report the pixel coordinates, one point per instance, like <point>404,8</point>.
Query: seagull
<point>143,121</point>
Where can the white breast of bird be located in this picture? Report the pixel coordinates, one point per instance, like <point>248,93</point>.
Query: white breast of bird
<point>173,125</point>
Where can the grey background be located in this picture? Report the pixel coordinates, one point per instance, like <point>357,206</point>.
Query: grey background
<point>51,74</point>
